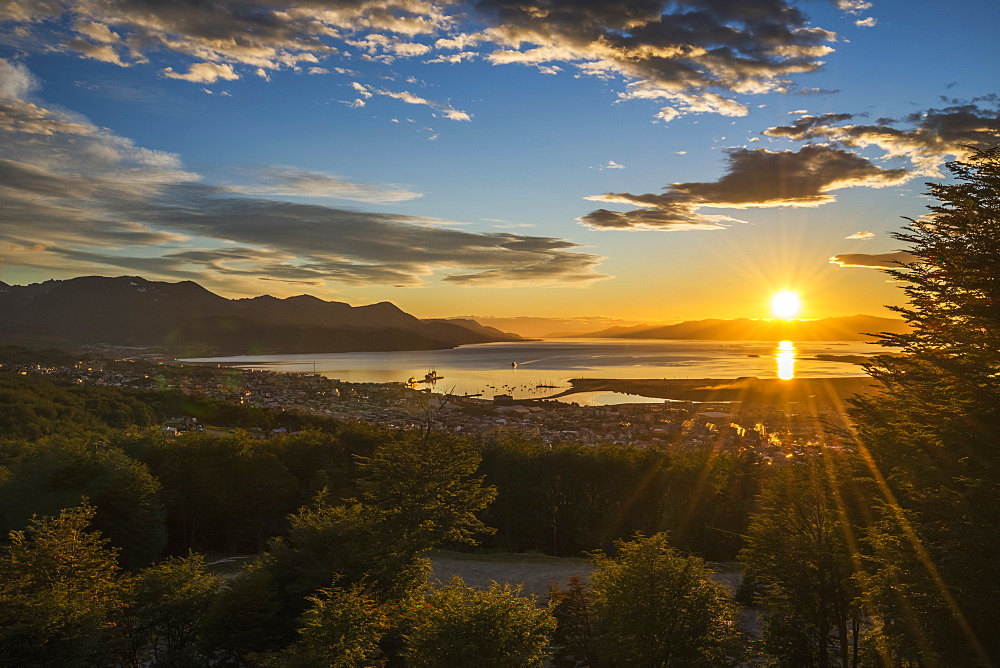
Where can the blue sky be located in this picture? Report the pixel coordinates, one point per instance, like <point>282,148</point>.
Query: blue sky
<point>635,160</point>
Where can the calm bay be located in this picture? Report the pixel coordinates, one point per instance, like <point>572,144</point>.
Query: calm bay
<point>533,369</point>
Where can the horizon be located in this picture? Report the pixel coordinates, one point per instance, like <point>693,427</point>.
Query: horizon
<point>447,160</point>
<point>597,323</point>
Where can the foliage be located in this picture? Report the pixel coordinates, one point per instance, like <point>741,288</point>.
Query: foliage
<point>426,490</point>
<point>163,611</point>
<point>57,471</point>
<point>341,629</point>
<point>572,638</point>
<point>568,499</point>
<point>802,557</point>
<point>416,493</point>
<point>654,607</point>
<point>228,493</point>
<point>456,626</point>
<point>59,587</point>
<point>931,435</point>
<point>32,407</point>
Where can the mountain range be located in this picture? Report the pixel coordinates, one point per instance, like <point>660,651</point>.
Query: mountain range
<point>846,328</point>
<point>186,319</point>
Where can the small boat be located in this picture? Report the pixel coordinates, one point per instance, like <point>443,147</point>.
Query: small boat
<point>432,376</point>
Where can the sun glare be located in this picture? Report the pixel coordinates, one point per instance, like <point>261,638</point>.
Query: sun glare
<point>786,360</point>
<point>786,305</point>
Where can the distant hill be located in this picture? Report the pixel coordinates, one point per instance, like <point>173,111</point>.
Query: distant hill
<point>185,318</point>
<point>553,328</point>
<point>847,328</point>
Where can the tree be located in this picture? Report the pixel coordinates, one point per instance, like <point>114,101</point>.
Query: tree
<point>931,436</point>
<point>341,629</point>
<point>571,641</point>
<point>456,626</point>
<point>654,607</point>
<point>426,489</point>
<point>164,607</point>
<point>59,585</point>
<point>57,471</point>
<point>416,494</point>
<point>801,556</point>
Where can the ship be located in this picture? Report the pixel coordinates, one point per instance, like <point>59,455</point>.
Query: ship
<point>432,376</point>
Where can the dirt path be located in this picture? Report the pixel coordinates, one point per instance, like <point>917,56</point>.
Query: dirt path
<point>533,575</point>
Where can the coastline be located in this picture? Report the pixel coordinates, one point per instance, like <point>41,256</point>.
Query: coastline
<point>748,391</point>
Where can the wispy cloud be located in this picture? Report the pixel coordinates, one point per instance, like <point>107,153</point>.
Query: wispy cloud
<point>444,109</point>
<point>292,182</point>
<point>76,198</point>
<point>861,235</point>
<point>878,261</point>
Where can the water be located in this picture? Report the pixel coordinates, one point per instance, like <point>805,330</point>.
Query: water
<point>545,367</point>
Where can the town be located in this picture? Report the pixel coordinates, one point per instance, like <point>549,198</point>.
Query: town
<point>768,433</point>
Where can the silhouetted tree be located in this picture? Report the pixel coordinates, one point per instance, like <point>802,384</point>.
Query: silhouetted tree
<point>931,436</point>
<point>801,556</point>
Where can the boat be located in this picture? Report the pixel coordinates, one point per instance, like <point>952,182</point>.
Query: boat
<point>514,364</point>
<point>432,376</point>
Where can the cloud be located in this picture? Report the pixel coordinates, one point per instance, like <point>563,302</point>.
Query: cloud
<point>861,235</point>
<point>854,6</point>
<point>611,165</point>
<point>927,139</point>
<point>445,110</point>
<point>19,114</point>
<point>695,54</point>
<point>692,54</point>
<point>880,261</point>
<point>754,178</point>
<point>866,23</point>
<point>203,73</point>
<point>75,200</point>
<point>292,182</point>
<point>103,52</point>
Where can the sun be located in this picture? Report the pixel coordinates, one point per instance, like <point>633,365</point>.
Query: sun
<point>786,305</point>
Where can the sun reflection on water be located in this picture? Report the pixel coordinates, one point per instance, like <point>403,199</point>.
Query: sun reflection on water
<point>785,357</point>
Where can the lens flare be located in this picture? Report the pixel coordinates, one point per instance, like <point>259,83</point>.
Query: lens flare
<point>786,305</point>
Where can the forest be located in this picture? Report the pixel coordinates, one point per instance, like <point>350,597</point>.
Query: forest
<point>878,554</point>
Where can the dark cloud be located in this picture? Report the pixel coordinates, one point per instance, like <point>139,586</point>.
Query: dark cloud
<point>754,178</point>
<point>684,52</point>
<point>926,138</point>
<point>694,54</point>
<point>878,261</point>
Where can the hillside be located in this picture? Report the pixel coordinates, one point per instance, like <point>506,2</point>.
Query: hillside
<point>185,318</point>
